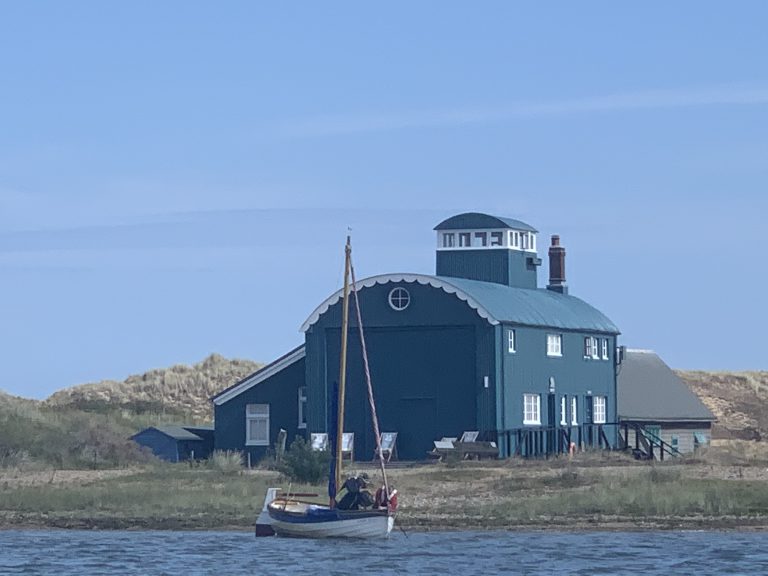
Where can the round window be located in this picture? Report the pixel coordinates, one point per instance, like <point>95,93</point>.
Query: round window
<point>399,298</point>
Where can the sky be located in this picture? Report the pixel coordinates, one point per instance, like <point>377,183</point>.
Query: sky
<point>177,178</point>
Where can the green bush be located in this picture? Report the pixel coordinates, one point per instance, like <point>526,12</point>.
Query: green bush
<point>302,464</point>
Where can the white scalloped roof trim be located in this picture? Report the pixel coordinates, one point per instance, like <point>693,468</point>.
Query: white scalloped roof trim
<point>422,279</point>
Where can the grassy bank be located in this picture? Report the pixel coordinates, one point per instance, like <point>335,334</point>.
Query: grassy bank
<point>591,491</point>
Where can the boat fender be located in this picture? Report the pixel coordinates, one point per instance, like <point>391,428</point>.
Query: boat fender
<point>393,501</point>
<point>380,500</point>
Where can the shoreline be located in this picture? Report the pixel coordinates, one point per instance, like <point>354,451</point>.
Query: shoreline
<point>18,521</point>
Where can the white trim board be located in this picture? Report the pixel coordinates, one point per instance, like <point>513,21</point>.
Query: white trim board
<point>407,278</point>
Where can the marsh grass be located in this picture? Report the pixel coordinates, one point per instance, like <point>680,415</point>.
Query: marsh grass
<point>481,495</point>
<point>228,462</point>
<point>194,497</point>
<point>651,493</point>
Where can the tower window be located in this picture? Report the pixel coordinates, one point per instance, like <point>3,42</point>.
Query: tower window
<point>399,298</point>
<point>482,238</point>
<point>512,341</point>
<point>497,238</point>
<point>465,239</point>
<point>605,348</point>
<point>449,240</point>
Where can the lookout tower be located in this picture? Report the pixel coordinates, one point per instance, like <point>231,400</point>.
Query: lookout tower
<point>487,248</point>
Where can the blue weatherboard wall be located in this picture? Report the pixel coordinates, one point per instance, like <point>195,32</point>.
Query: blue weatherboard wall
<point>281,393</point>
<point>426,363</point>
<point>529,369</point>
<point>498,266</point>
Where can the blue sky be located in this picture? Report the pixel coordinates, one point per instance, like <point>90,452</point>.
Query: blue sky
<point>177,178</point>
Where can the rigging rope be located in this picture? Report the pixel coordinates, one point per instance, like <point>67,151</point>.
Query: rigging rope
<point>374,417</point>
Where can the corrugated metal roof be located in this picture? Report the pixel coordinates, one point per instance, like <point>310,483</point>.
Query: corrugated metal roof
<point>648,389</point>
<point>498,303</point>
<point>538,307</point>
<point>177,432</point>
<point>478,221</point>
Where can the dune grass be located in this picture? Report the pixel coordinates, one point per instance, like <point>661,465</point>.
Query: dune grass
<point>591,492</point>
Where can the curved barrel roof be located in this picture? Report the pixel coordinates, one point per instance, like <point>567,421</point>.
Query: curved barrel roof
<point>478,221</point>
<point>498,303</point>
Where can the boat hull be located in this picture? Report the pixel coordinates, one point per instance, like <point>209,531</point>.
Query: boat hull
<point>306,520</point>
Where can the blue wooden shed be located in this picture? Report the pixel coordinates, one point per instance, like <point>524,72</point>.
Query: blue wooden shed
<point>177,443</point>
<point>477,346</point>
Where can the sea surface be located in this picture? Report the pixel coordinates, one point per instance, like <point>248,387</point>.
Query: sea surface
<point>66,552</point>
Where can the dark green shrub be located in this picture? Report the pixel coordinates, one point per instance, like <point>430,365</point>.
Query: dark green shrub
<point>302,464</point>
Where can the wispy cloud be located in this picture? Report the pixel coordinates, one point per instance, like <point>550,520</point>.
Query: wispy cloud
<point>652,99</point>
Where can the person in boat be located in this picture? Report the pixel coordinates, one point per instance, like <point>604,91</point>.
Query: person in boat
<point>357,496</point>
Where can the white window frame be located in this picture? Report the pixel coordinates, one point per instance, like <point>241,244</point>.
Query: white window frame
<point>599,409</point>
<point>511,341</point>
<point>531,409</point>
<point>574,411</point>
<point>554,344</point>
<point>564,410</point>
<point>302,407</point>
<point>465,239</point>
<point>449,239</point>
<point>605,348</point>
<point>254,413</point>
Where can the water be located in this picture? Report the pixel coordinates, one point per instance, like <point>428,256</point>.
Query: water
<point>66,552</point>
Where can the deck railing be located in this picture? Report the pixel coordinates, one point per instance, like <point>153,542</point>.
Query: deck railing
<point>548,441</point>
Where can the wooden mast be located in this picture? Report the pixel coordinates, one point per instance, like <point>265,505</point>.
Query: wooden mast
<point>342,364</point>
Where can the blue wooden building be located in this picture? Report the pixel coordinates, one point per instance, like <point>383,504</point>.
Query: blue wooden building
<point>477,346</point>
<point>177,443</point>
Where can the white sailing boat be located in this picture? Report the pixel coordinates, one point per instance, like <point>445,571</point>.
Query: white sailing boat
<point>290,516</point>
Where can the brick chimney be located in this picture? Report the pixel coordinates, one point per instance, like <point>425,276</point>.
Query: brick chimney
<point>557,267</point>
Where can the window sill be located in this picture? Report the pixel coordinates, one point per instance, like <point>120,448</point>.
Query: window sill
<point>531,423</point>
<point>302,426</point>
<point>256,443</point>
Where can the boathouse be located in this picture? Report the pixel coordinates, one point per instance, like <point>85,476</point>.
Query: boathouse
<point>660,413</point>
<point>478,346</point>
<point>177,443</point>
